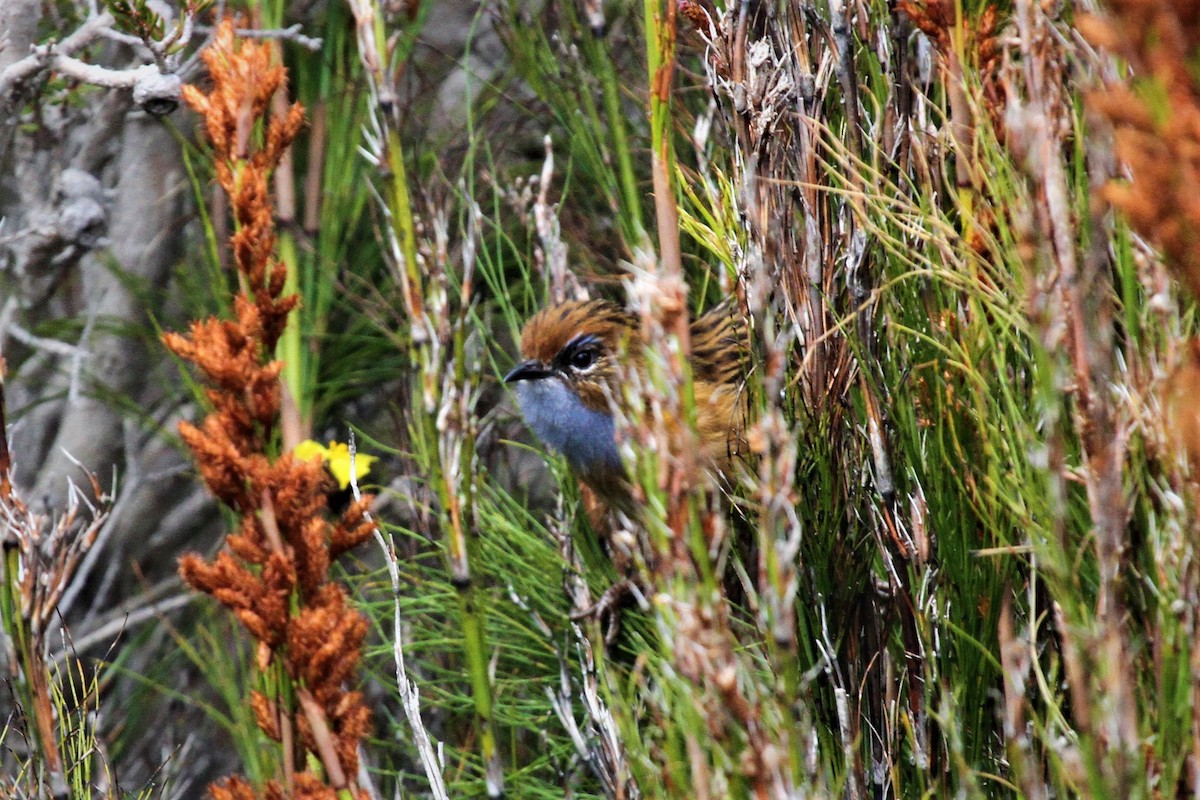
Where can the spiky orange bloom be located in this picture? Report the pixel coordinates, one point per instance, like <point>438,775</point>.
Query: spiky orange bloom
<point>1156,120</point>
<point>938,20</point>
<point>306,787</point>
<point>273,573</point>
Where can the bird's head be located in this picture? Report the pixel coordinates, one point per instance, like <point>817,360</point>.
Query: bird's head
<point>576,344</point>
<point>571,353</point>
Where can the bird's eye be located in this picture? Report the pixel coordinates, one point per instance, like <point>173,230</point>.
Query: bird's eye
<point>583,359</point>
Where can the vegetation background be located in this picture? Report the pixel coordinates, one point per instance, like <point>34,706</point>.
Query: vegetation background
<point>962,560</point>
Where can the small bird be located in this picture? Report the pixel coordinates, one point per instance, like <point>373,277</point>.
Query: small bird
<point>572,354</point>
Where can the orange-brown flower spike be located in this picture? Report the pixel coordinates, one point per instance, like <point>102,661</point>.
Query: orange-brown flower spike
<point>232,789</point>
<point>1156,125</point>
<point>354,527</point>
<point>273,574</point>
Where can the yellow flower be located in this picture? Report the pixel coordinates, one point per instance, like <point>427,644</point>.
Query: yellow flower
<point>308,450</point>
<point>337,459</point>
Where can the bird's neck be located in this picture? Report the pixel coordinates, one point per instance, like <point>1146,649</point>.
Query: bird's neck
<point>583,434</point>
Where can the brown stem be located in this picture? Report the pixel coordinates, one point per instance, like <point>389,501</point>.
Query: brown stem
<point>316,166</point>
<point>43,711</point>
<point>285,184</point>
<point>270,524</point>
<point>323,737</point>
<point>5,457</point>
<point>666,215</point>
<point>960,121</point>
<point>287,739</point>
<point>293,428</point>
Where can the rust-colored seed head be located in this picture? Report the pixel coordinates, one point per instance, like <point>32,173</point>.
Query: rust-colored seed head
<point>1157,130</point>
<point>273,576</point>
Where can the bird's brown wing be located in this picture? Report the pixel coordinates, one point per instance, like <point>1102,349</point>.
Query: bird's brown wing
<point>720,345</point>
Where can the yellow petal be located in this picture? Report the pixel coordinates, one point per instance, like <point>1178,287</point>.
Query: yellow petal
<point>308,450</point>
<point>339,463</point>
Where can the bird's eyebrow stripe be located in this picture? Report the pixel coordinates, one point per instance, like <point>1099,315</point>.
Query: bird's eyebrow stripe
<point>581,341</point>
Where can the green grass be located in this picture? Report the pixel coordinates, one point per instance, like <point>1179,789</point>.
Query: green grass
<point>917,565</point>
<point>920,609</point>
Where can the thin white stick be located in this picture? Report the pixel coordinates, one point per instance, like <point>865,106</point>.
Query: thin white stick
<point>409,694</point>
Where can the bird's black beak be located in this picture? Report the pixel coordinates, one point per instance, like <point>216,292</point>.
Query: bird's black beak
<point>527,371</point>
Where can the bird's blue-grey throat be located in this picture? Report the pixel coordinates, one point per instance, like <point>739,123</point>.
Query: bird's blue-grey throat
<point>583,435</point>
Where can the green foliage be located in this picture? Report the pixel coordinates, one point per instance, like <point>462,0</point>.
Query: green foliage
<point>901,685</point>
<point>87,771</point>
<point>908,599</point>
<point>136,17</point>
